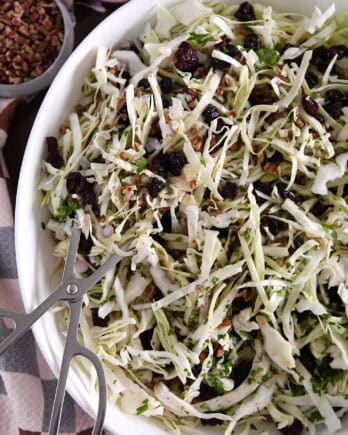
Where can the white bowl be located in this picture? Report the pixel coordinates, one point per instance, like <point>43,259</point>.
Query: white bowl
<point>34,246</point>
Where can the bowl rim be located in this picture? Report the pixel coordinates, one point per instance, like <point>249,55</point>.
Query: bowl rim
<point>43,80</point>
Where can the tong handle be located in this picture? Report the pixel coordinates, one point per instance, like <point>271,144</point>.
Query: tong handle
<point>72,349</point>
<point>24,321</point>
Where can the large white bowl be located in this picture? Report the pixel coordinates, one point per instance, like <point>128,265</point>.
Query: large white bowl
<point>34,246</point>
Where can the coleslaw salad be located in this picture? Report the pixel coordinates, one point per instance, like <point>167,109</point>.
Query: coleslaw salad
<point>216,167</point>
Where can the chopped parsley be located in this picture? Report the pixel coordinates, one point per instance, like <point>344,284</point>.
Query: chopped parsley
<point>216,383</point>
<point>204,406</point>
<point>140,165</point>
<point>65,210</point>
<point>143,407</point>
<point>253,375</point>
<point>267,56</point>
<point>200,38</point>
<point>315,416</point>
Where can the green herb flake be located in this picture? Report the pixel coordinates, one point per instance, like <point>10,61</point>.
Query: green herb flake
<point>253,427</point>
<point>315,416</point>
<point>203,162</point>
<point>215,382</point>
<point>264,378</point>
<point>65,210</point>
<point>143,407</point>
<point>214,280</point>
<point>204,406</point>
<point>140,165</point>
<point>245,335</point>
<point>267,56</point>
<point>247,234</point>
<point>200,38</point>
<point>253,375</point>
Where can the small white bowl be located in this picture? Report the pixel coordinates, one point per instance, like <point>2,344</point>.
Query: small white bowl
<point>44,80</point>
<point>34,247</point>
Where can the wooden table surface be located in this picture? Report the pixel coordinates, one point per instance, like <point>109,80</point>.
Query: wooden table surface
<point>26,113</point>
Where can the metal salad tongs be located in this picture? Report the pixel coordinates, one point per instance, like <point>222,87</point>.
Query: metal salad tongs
<point>71,291</point>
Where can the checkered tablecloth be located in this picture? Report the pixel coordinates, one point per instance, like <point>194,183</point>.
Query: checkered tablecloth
<point>27,385</point>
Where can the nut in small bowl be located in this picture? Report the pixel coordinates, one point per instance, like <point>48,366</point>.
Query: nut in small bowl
<point>36,37</point>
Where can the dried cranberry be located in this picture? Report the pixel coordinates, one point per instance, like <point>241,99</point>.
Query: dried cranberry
<point>334,95</point>
<point>126,75</point>
<point>295,429</point>
<point>245,12</point>
<point>231,50</point>
<point>186,58</point>
<point>334,109</point>
<point>229,190</point>
<point>166,85</point>
<point>276,157</point>
<point>167,102</point>
<point>166,221</point>
<point>340,50</point>
<point>318,54</point>
<point>274,226</point>
<point>196,370</point>
<point>210,113</point>
<point>285,194</point>
<point>88,196</point>
<point>310,106</point>
<point>307,358</point>
<point>322,56</point>
<point>211,422</point>
<point>219,64</point>
<point>223,232</point>
<point>98,321</point>
<point>262,94</point>
<point>85,245</point>
<point>206,392</point>
<point>53,156</point>
<point>265,188</point>
<point>252,41</point>
<point>176,162</point>
<point>157,294</point>
<point>155,186</point>
<point>240,372</point>
<point>311,79</point>
<point>160,165</point>
<point>144,83</point>
<point>76,183</point>
<point>123,121</point>
<point>145,338</point>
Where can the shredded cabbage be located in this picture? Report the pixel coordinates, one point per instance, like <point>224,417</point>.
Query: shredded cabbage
<point>224,191</point>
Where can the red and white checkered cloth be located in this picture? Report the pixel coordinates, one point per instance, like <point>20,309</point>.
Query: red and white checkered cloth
<point>27,385</point>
